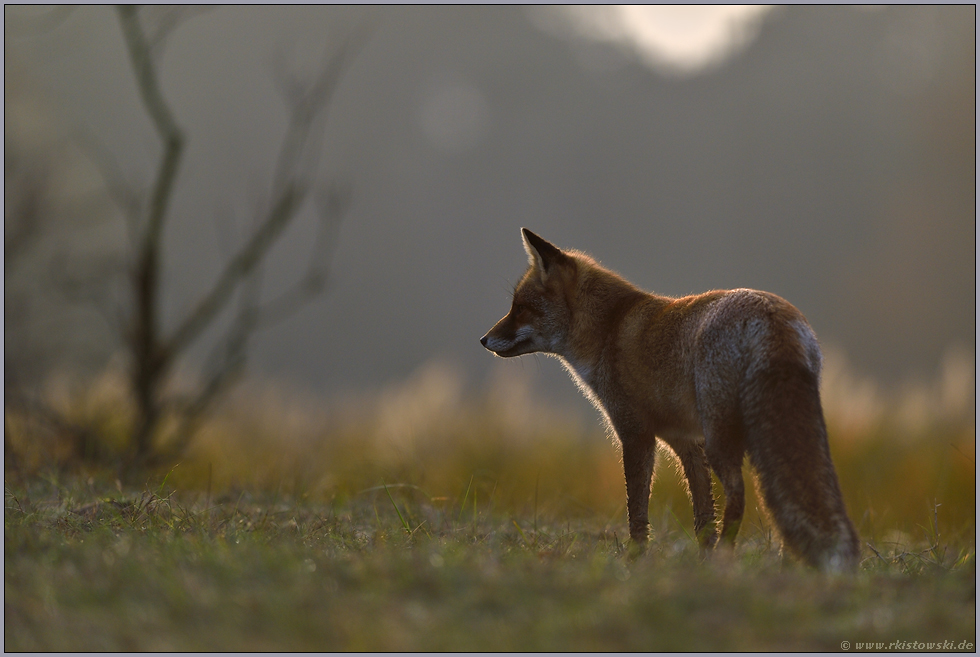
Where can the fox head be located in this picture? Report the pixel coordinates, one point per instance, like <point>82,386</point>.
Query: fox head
<point>540,313</point>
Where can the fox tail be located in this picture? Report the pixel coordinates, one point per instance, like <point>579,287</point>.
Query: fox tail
<point>786,441</point>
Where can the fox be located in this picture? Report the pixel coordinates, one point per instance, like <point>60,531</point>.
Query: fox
<point>714,376</point>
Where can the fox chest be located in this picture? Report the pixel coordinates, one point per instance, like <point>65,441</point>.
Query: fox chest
<point>656,403</point>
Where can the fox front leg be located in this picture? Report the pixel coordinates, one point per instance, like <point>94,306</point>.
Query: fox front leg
<point>638,459</point>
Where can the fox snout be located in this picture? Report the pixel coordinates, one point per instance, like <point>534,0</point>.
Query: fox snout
<point>495,342</point>
<point>507,339</point>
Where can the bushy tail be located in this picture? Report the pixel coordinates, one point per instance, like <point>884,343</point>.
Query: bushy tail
<point>786,440</point>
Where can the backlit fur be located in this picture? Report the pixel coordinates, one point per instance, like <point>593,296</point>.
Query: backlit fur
<point>715,376</point>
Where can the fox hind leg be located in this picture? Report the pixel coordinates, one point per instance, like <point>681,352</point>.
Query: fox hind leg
<point>695,464</point>
<point>725,450</point>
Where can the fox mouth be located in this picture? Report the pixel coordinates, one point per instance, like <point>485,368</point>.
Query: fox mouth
<point>519,349</point>
<point>515,349</point>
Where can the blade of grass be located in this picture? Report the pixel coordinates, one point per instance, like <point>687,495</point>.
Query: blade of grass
<point>374,488</point>
<point>408,530</point>
<point>527,543</point>
<point>462,505</point>
<point>537,481</point>
<point>164,482</point>
<point>682,527</point>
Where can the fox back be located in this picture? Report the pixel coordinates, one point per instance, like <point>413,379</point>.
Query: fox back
<point>715,376</point>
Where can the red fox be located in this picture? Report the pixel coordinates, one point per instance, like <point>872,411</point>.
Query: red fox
<point>714,375</point>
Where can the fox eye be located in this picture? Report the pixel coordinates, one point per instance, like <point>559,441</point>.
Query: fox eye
<point>518,309</point>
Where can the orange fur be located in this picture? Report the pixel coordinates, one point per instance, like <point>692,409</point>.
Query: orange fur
<point>715,376</point>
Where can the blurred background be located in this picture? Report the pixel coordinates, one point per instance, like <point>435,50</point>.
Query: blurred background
<point>826,154</point>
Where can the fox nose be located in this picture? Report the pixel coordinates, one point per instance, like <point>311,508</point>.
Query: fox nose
<point>483,341</point>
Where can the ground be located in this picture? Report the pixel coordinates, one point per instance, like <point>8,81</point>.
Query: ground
<point>424,520</point>
<point>89,566</point>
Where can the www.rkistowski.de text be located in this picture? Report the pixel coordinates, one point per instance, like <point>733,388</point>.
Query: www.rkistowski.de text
<point>907,645</point>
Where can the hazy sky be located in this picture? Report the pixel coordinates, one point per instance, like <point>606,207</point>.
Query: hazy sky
<point>823,153</point>
<point>679,40</point>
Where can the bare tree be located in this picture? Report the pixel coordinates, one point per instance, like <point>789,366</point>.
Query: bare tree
<point>152,352</point>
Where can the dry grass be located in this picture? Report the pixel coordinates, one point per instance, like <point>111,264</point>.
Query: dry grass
<point>421,518</point>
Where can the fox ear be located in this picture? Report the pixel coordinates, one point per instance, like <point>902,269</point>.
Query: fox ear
<point>541,253</point>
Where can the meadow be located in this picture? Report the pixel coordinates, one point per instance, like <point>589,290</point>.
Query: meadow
<point>429,517</point>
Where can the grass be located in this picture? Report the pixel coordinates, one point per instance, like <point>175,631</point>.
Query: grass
<point>424,520</point>
<point>88,567</point>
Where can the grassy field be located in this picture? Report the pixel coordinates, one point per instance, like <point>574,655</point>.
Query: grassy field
<point>423,519</point>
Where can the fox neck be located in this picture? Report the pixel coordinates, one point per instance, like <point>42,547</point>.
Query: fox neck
<point>598,310</point>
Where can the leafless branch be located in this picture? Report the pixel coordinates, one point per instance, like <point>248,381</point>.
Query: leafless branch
<point>247,258</point>
<point>154,354</point>
<point>305,102</point>
<point>228,356</point>
<point>89,284</point>
<point>225,365</point>
<point>163,121</point>
<point>24,219</point>
<point>332,204</point>
<point>289,190</point>
<point>227,361</point>
<point>122,192</point>
<point>168,19</point>
<point>149,363</point>
<point>83,439</point>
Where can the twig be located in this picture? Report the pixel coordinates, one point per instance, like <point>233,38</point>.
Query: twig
<point>163,121</point>
<point>121,192</point>
<point>877,554</point>
<point>169,20</point>
<point>237,270</point>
